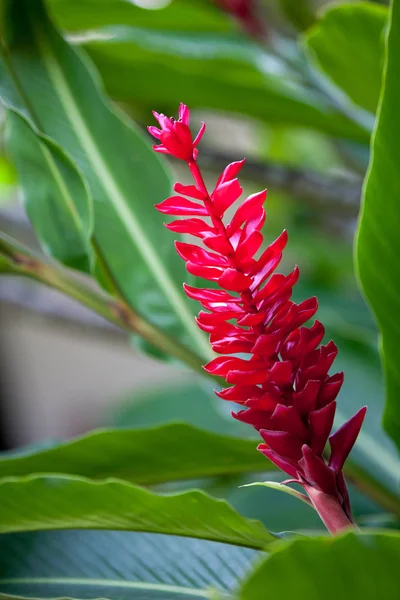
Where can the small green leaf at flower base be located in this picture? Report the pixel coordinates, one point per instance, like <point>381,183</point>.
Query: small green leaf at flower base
<point>281,487</point>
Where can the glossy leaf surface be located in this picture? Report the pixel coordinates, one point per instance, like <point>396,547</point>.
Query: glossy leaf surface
<point>142,456</point>
<point>117,565</point>
<point>221,73</point>
<point>348,45</point>
<point>125,178</point>
<point>378,243</point>
<point>78,503</point>
<point>345,567</point>
<point>56,198</point>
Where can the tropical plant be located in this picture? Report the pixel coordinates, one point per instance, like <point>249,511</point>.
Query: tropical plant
<point>113,513</point>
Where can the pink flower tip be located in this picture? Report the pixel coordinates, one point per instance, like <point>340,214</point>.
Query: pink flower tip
<point>175,135</point>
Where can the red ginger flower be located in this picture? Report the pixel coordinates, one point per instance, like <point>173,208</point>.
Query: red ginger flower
<point>283,384</point>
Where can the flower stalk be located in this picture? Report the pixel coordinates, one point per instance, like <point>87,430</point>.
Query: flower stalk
<point>275,365</point>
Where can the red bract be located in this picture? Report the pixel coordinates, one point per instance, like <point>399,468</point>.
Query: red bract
<point>175,136</point>
<point>281,377</point>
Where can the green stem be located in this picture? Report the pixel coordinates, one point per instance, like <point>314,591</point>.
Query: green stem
<point>21,261</point>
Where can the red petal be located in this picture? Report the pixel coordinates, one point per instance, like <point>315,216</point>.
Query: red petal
<point>256,418</point>
<point>239,393</point>
<point>194,226</point>
<point>224,195</point>
<point>222,365</point>
<point>246,211</point>
<point>321,422</point>
<point>209,295</point>
<point>267,402</point>
<point>246,377</point>
<point>283,443</point>
<point>189,190</point>
<point>281,373</point>
<point>229,346</point>
<point>252,319</point>
<point>210,273</point>
<point>233,280</point>
<point>318,473</point>
<point>196,254</point>
<point>286,418</point>
<point>249,246</point>
<point>273,250</point>
<point>305,400</point>
<point>267,344</point>
<point>219,243</point>
<point>330,389</point>
<point>280,462</point>
<point>343,440</point>
<point>231,171</point>
<point>217,317</point>
<point>178,206</point>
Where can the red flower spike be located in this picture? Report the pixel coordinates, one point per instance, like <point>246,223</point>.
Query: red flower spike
<point>283,385</point>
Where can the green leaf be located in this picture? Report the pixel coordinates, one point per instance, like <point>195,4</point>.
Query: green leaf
<point>120,565</point>
<point>225,73</point>
<point>78,503</point>
<point>280,487</point>
<point>378,243</point>
<point>124,175</point>
<point>348,45</point>
<point>184,15</point>
<point>346,567</point>
<point>142,456</point>
<point>56,197</point>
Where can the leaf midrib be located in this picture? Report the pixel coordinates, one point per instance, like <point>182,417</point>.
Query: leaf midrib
<point>112,188</point>
<point>106,583</point>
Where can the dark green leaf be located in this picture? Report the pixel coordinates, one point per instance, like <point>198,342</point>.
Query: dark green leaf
<point>378,244</point>
<point>117,565</point>
<point>77,503</point>
<point>205,71</point>
<point>348,45</point>
<point>124,175</point>
<point>142,456</point>
<point>56,197</point>
<point>346,567</point>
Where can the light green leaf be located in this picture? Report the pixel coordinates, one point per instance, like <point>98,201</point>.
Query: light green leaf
<point>280,487</point>
<point>184,15</point>
<point>348,45</point>
<point>56,197</point>
<point>142,456</point>
<point>346,567</point>
<point>78,503</point>
<point>124,175</point>
<point>118,565</point>
<point>378,242</point>
<point>205,71</point>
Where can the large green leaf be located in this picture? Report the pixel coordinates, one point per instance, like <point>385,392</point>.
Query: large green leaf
<point>124,176</point>
<point>206,71</point>
<point>62,502</point>
<point>346,567</point>
<point>378,243</point>
<point>118,565</point>
<point>142,456</point>
<point>348,45</point>
<point>177,15</point>
<point>56,198</point>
